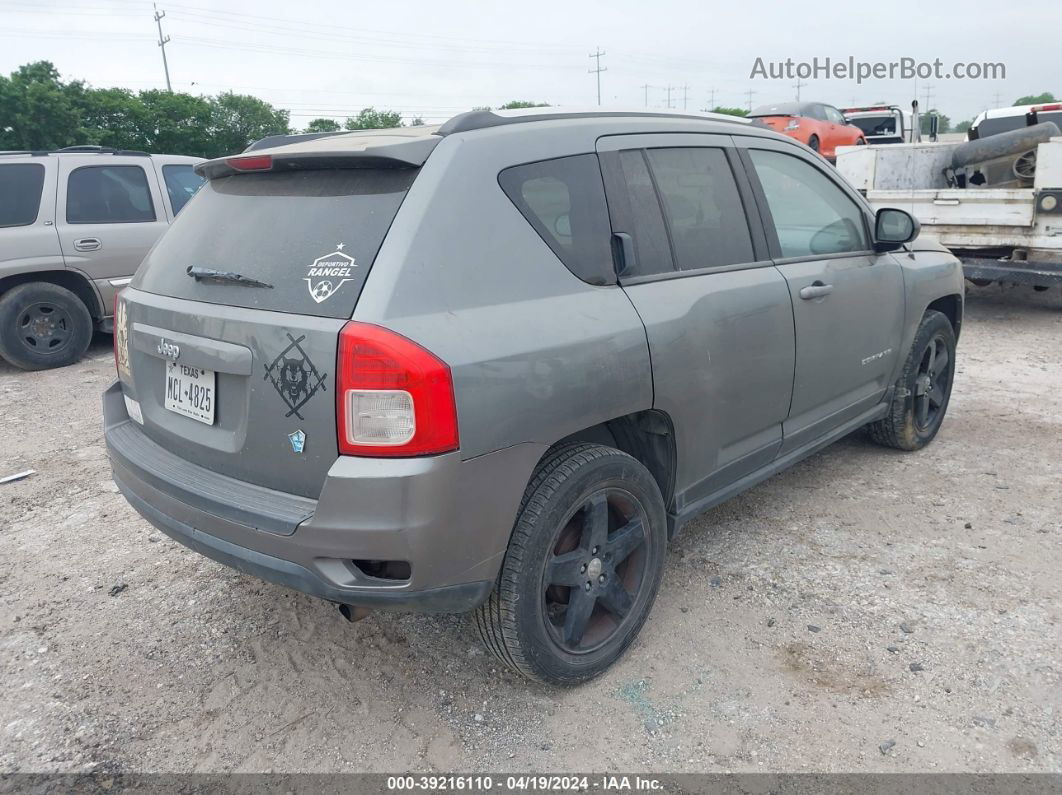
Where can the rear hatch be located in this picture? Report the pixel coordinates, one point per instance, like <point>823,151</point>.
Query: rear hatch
<point>231,324</point>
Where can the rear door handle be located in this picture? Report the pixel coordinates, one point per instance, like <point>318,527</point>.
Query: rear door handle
<point>815,290</point>
<point>88,244</point>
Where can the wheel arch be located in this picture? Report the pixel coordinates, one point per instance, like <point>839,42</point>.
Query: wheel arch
<point>647,436</point>
<point>951,307</point>
<point>71,280</point>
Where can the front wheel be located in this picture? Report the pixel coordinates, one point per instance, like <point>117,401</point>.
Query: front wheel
<point>582,568</point>
<point>923,390</point>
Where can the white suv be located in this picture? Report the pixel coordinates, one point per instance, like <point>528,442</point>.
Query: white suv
<point>74,226</point>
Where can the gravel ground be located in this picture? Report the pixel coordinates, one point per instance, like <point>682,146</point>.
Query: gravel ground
<point>867,610</point>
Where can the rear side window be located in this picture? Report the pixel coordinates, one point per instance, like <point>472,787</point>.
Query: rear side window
<point>834,115</point>
<point>108,195</point>
<point>20,193</point>
<point>564,200</point>
<point>702,207</point>
<point>312,235</point>
<point>181,184</point>
<point>812,215</point>
<point>651,246</point>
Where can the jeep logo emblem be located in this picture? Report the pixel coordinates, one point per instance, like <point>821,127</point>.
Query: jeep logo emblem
<point>168,350</point>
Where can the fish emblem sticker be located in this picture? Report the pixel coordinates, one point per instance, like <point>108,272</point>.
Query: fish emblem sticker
<point>327,274</point>
<point>298,441</point>
<point>294,376</point>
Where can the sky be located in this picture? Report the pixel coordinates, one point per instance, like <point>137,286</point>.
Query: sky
<point>436,58</point>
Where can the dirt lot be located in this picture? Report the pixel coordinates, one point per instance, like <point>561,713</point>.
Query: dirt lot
<point>864,598</point>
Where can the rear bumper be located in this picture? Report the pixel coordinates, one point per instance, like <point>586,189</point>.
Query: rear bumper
<point>1036,273</point>
<point>449,519</point>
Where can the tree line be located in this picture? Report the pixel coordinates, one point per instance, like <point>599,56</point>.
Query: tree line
<point>40,111</point>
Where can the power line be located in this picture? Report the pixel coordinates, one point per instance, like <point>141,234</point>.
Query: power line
<point>163,41</point>
<point>598,70</point>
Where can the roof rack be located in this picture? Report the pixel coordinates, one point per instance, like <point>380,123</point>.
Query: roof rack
<point>82,149</point>
<point>480,119</point>
<point>102,150</point>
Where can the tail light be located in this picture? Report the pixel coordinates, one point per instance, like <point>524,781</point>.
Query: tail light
<point>793,124</point>
<point>120,334</point>
<point>250,163</point>
<point>394,398</point>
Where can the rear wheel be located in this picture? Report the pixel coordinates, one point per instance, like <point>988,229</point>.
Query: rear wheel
<point>813,142</point>
<point>582,568</point>
<point>924,388</point>
<point>43,325</point>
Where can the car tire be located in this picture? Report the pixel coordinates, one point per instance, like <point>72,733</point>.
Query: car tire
<point>43,325</point>
<point>582,568</point>
<point>923,390</point>
<point>813,142</point>
<point>861,142</point>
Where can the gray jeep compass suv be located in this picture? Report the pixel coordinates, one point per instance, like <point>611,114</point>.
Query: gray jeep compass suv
<point>493,366</point>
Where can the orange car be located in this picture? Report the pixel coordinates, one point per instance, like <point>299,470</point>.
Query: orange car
<point>820,126</point>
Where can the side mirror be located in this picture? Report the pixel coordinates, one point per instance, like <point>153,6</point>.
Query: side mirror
<point>893,228</point>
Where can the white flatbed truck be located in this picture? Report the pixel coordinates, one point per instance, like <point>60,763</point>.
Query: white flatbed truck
<point>1006,228</point>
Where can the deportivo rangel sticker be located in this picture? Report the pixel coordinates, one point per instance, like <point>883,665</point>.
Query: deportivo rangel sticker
<point>328,273</point>
<point>294,376</point>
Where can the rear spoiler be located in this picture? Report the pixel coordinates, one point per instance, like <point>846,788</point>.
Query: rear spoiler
<point>295,155</point>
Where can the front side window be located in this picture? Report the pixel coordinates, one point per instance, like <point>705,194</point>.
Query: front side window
<point>702,207</point>
<point>108,195</point>
<point>21,185</point>
<point>812,215</point>
<point>181,184</point>
<point>564,201</point>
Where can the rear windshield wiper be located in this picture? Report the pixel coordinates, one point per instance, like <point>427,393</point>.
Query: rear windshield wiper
<point>209,274</point>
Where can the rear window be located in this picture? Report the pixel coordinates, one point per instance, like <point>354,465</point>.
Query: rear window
<point>564,200</point>
<point>875,125</point>
<point>181,184</point>
<point>312,235</point>
<point>20,193</point>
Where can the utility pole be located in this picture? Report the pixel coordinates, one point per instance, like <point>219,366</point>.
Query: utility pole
<point>749,94</point>
<point>598,70</point>
<point>646,88</point>
<point>929,94</point>
<point>711,100</point>
<point>685,96</point>
<point>997,98</point>
<point>798,86</point>
<point>669,90</point>
<point>163,41</point>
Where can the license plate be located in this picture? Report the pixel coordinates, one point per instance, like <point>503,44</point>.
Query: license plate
<point>190,391</point>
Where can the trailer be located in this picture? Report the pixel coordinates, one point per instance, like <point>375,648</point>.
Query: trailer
<point>996,202</point>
